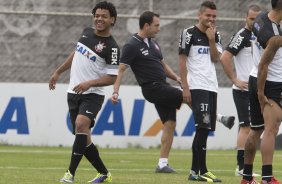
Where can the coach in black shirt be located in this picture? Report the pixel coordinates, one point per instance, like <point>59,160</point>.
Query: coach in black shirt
<point>143,55</point>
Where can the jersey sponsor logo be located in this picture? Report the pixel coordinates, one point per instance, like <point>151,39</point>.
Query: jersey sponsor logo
<point>203,50</point>
<point>85,52</point>
<point>100,46</point>
<point>237,42</point>
<point>188,38</point>
<point>114,56</point>
<point>144,52</point>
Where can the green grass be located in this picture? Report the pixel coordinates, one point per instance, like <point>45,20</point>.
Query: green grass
<point>36,165</point>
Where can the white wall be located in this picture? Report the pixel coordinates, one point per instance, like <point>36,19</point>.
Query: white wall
<point>30,114</point>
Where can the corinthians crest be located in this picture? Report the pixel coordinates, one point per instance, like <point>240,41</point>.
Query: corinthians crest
<point>100,46</point>
<point>206,118</point>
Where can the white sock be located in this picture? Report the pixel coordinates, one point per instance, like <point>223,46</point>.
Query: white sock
<point>163,162</point>
<point>219,117</point>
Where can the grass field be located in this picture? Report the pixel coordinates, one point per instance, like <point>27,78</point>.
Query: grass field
<point>36,165</point>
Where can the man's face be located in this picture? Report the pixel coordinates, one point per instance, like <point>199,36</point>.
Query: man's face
<point>153,29</point>
<point>207,17</point>
<point>250,18</point>
<point>102,20</point>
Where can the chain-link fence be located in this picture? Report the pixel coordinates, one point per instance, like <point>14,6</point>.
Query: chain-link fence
<point>37,36</point>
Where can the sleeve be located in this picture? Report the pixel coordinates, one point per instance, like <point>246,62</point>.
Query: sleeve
<point>128,54</point>
<point>185,42</point>
<point>113,59</point>
<point>238,42</point>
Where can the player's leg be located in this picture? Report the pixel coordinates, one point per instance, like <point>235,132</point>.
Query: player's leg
<point>166,99</point>
<point>272,120</point>
<point>168,116</point>
<point>257,127</point>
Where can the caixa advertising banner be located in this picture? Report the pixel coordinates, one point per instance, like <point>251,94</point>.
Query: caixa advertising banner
<point>31,114</point>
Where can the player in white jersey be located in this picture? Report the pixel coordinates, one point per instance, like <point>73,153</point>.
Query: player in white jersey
<point>199,49</point>
<point>94,64</point>
<point>239,51</point>
<point>265,89</point>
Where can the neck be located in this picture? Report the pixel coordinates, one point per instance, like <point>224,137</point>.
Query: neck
<point>142,34</point>
<point>104,33</point>
<point>275,16</point>
<point>201,28</point>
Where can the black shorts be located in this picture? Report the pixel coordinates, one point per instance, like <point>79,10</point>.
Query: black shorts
<point>242,103</point>
<point>204,106</point>
<point>85,104</point>
<point>257,122</point>
<point>165,98</point>
<point>272,90</point>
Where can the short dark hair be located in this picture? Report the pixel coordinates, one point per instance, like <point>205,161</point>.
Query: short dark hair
<point>147,17</point>
<point>254,8</point>
<point>106,6</point>
<point>208,4</point>
<point>276,4</point>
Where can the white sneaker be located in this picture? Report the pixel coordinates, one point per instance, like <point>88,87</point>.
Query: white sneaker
<point>240,173</point>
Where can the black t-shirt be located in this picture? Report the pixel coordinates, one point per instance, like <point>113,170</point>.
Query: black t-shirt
<point>144,60</point>
<point>264,29</point>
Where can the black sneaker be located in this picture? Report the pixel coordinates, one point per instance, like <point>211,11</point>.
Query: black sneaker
<point>165,169</point>
<point>228,121</point>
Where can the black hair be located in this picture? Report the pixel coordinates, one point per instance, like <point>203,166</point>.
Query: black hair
<point>147,17</point>
<point>254,8</point>
<point>106,6</point>
<point>208,4</point>
<point>276,4</point>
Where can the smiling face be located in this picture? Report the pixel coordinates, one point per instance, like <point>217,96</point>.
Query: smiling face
<point>103,21</point>
<point>207,17</point>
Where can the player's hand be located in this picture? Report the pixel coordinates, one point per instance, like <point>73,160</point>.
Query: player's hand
<point>114,98</point>
<point>210,32</point>
<point>52,81</point>
<point>241,84</point>
<point>178,80</point>
<point>263,101</point>
<point>82,87</point>
<point>187,97</point>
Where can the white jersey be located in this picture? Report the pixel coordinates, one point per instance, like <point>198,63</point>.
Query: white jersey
<point>201,70</point>
<point>240,47</point>
<point>94,58</point>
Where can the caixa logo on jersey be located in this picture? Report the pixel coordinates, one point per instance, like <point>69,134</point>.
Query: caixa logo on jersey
<point>203,50</point>
<point>114,56</point>
<point>85,52</point>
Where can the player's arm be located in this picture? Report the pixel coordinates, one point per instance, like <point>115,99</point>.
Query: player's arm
<point>226,61</point>
<point>183,75</point>
<point>170,73</point>
<point>61,69</point>
<point>215,55</point>
<point>273,44</point>
<point>121,70</point>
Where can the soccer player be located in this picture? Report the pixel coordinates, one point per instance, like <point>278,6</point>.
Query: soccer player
<point>94,64</point>
<point>265,88</point>
<point>143,54</point>
<point>199,48</point>
<point>239,49</point>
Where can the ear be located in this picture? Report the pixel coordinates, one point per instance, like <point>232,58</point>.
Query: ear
<point>113,20</point>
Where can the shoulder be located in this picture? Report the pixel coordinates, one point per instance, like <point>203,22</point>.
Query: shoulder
<point>112,41</point>
<point>189,30</point>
